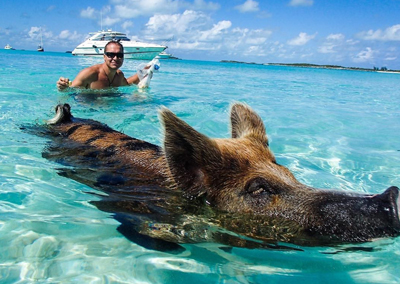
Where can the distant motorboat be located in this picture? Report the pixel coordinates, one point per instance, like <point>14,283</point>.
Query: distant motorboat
<point>9,47</point>
<point>96,42</point>
<point>164,55</point>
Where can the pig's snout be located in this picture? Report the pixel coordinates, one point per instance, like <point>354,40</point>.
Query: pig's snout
<point>391,202</point>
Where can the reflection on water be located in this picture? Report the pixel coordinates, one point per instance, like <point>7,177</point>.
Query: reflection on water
<point>108,98</point>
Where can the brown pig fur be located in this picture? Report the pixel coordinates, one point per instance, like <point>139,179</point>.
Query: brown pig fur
<point>238,177</point>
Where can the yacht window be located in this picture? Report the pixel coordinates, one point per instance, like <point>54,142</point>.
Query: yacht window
<point>110,37</point>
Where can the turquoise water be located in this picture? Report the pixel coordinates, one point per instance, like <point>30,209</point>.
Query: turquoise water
<point>331,128</point>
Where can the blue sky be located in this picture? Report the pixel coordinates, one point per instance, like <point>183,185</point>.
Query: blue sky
<point>352,33</point>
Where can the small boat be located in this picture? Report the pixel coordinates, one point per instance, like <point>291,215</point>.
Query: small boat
<point>96,42</point>
<point>9,47</point>
<point>40,47</point>
<point>164,55</point>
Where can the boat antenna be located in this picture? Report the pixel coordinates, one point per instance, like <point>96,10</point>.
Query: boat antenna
<point>166,41</point>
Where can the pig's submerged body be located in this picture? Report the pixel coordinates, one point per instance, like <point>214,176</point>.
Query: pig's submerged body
<point>195,188</point>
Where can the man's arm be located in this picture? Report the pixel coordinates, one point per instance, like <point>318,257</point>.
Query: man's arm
<point>82,80</point>
<point>133,80</point>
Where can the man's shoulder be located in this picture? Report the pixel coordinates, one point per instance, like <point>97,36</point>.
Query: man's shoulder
<point>95,69</point>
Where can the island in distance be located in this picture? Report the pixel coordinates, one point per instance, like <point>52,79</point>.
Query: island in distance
<point>308,65</point>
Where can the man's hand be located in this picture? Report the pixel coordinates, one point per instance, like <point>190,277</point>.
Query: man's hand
<point>63,83</point>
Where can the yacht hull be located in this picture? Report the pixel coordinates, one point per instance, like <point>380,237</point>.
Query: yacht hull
<point>132,50</point>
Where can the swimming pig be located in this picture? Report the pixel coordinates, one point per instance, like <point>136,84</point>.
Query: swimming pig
<point>200,189</point>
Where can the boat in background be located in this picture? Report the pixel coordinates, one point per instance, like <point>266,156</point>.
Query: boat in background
<point>40,47</point>
<point>164,55</point>
<point>9,47</point>
<point>96,42</point>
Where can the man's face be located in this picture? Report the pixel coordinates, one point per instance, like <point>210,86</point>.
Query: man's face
<point>112,56</point>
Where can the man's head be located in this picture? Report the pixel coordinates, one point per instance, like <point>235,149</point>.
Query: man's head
<point>114,54</point>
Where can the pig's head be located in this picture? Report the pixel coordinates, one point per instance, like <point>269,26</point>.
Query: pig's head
<point>262,199</point>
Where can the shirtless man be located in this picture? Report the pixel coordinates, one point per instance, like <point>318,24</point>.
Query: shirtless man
<point>103,75</point>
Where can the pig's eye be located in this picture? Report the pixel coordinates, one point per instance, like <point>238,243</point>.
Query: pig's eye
<point>258,186</point>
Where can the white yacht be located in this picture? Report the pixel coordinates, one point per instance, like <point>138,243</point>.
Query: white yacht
<point>164,55</point>
<point>94,45</point>
<point>8,47</point>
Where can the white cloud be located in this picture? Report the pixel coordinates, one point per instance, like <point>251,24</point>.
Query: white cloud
<point>391,58</point>
<point>352,42</point>
<point>215,32</point>
<point>187,45</point>
<point>364,55</point>
<point>100,15</point>
<point>66,34</point>
<point>332,42</point>
<point>335,37</point>
<point>301,39</point>
<point>89,13</point>
<point>296,3</point>
<point>187,25</point>
<point>127,24</point>
<point>257,37</point>
<point>110,21</point>
<point>136,8</point>
<point>327,48</point>
<point>390,34</point>
<point>244,41</point>
<point>392,54</point>
<point>248,6</point>
<point>34,32</point>
<point>196,30</point>
<point>105,10</point>
<point>202,5</point>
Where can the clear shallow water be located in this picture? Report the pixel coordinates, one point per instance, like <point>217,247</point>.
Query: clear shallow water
<point>332,129</point>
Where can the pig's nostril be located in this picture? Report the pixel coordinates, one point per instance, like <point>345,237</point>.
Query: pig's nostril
<point>398,207</point>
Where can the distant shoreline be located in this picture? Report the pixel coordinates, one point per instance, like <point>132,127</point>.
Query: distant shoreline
<point>307,65</point>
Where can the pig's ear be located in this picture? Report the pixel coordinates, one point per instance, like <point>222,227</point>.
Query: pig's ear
<point>245,122</point>
<point>188,152</point>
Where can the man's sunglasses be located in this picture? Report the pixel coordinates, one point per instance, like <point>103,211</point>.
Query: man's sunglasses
<point>113,54</point>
